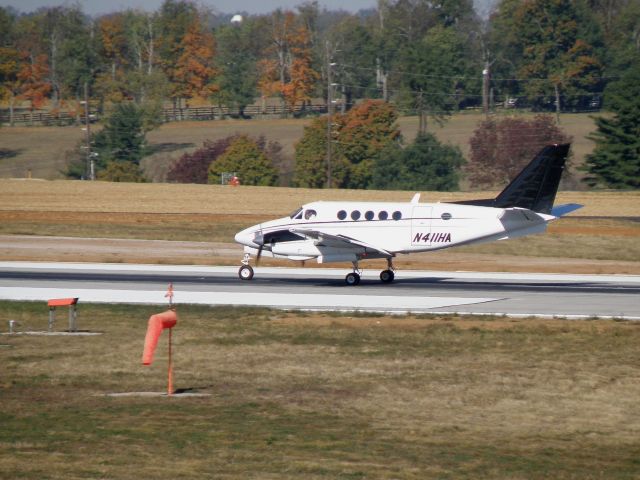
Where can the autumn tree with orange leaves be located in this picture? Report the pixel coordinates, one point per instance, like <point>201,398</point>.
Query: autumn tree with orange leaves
<point>287,68</point>
<point>359,136</point>
<point>194,72</point>
<point>32,76</point>
<point>113,49</point>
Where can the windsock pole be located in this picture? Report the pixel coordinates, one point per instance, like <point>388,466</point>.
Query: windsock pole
<point>169,294</point>
<point>170,372</point>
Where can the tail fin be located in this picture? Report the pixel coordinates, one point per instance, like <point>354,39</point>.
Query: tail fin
<point>535,187</point>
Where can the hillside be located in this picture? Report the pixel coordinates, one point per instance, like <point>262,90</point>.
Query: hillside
<point>42,149</point>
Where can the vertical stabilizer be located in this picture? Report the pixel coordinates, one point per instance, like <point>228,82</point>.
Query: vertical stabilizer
<point>535,187</point>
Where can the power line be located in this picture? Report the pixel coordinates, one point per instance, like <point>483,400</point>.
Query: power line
<point>462,77</point>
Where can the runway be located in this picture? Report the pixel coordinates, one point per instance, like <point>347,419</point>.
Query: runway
<point>511,294</point>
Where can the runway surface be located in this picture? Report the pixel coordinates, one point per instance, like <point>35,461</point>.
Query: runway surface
<point>512,294</point>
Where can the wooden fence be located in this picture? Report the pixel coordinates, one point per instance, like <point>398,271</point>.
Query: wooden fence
<point>43,117</point>
<point>219,112</point>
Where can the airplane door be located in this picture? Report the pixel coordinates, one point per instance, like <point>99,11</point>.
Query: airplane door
<point>421,226</point>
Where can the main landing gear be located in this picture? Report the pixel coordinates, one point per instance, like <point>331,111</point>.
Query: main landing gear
<point>245,272</point>
<point>386,276</point>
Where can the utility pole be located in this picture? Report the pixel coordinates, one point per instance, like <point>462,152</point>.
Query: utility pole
<point>90,162</point>
<point>485,88</point>
<point>330,66</point>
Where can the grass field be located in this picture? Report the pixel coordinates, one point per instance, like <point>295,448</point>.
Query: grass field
<point>605,229</point>
<point>42,149</point>
<point>320,396</point>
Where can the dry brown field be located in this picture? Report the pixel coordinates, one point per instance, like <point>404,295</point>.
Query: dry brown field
<point>320,396</point>
<point>198,222</point>
<point>43,149</point>
<point>107,197</point>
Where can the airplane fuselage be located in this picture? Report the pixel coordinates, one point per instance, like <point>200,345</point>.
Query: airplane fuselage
<point>384,229</point>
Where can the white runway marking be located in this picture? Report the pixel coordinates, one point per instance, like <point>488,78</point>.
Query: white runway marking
<point>274,300</point>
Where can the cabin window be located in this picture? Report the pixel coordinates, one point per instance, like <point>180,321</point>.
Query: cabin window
<point>397,215</point>
<point>355,215</point>
<point>446,216</point>
<point>342,215</point>
<point>369,215</point>
<point>309,214</point>
<point>382,215</point>
<point>296,214</point>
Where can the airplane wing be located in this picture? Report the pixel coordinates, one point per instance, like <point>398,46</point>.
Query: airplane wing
<point>337,241</point>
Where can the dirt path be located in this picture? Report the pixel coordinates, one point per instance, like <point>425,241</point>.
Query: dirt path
<point>68,249</point>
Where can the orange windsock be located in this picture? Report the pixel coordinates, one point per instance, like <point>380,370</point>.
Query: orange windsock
<point>157,323</point>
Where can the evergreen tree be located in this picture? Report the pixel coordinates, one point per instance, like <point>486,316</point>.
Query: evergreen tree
<point>615,161</point>
<point>426,164</point>
<point>123,135</point>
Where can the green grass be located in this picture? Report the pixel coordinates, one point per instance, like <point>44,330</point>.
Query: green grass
<point>321,396</point>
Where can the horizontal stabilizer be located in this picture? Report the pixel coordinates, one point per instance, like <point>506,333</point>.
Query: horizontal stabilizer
<point>567,208</point>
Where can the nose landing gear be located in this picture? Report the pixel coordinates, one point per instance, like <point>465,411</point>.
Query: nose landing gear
<point>245,272</point>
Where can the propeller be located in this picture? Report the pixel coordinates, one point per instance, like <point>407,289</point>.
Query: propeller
<point>258,239</point>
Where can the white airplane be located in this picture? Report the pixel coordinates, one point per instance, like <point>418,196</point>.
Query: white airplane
<point>355,231</point>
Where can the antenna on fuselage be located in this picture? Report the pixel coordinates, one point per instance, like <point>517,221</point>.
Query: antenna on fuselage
<point>416,198</point>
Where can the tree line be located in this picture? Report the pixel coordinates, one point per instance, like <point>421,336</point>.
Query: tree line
<point>426,57</point>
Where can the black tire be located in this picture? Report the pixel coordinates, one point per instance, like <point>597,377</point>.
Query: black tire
<point>245,272</point>
<point>387,276</point>
<point>352,279</point>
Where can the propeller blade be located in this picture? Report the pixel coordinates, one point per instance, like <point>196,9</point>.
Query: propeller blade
<point>258,239</point>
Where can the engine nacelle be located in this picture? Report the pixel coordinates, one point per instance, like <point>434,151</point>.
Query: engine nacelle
<point>302,248</point>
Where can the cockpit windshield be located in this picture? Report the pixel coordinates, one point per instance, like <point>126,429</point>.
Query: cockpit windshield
<point>296,214</point>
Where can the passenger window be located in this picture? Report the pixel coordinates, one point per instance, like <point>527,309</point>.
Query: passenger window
<point>342,215</point>
<point>369,215</point>
<point>446,216</point>
<point>383,215</point>
<point>397,215</point>
<point>309,214</point>
<point>355,215</point>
